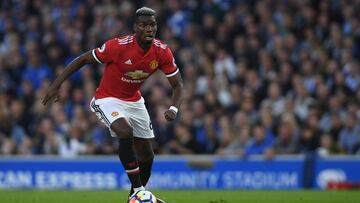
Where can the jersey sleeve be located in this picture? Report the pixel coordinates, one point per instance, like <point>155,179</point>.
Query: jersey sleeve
<point>107,52</point>
<point>169,67</point>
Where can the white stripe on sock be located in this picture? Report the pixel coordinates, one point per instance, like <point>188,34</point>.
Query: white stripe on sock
<point>132,170</point>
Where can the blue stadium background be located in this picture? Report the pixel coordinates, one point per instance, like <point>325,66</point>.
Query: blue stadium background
<point>274,85</point>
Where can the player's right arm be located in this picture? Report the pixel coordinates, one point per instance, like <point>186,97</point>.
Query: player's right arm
<point>73,66</point>
<point>105,54</point>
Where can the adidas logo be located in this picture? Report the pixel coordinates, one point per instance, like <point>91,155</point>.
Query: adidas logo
<point>128,62</point>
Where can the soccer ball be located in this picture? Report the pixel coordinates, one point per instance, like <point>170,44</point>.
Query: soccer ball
<point>143,196</point>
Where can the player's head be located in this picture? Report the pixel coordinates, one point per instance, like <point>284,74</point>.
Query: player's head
<point>145,25</point>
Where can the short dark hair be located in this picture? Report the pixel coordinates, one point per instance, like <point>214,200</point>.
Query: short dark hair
<point>145,11</point>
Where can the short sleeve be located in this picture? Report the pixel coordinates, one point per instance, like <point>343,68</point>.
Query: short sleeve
<point>107,52</point>
<point>168,66</point>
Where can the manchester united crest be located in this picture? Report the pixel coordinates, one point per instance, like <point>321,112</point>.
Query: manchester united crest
<point>153,64</point>
<point>114,113</point>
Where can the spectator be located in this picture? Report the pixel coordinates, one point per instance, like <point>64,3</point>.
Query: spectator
<point>286,141</point>
<point>183,143</point>
<point>237,144</point>
<point>260,141</point>
<point>36,71</point>
<point>13,139</point>
<point>327,146</point>
<point>46,140</point>
<point>309,140</point>
<point>207,134</point>
<point>275,99</point>
<point>72,145</point>
<point>349,135</point>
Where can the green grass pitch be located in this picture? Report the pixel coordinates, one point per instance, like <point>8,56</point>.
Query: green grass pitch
<point>182,196</point>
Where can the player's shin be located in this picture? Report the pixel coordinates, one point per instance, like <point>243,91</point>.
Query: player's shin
<point>129,162</point>
<point>145,172</point>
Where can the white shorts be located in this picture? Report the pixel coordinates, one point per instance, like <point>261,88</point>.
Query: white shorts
<point>109,109</point>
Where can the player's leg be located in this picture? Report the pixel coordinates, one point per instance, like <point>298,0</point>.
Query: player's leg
<point>145,155</point>
<point>143,135</point>
<point>126,151</point>
<point>111,112</point>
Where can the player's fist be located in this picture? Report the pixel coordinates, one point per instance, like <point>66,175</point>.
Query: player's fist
<point>170,115</point>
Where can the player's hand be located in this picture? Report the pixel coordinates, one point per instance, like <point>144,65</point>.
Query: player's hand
<point>51,93</point>
<point>170,115</point>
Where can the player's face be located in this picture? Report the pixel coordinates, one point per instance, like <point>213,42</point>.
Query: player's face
<point>145,28</point>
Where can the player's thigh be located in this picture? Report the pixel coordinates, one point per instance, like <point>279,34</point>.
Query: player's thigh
<point>143,148</point>
<point>111,112</point>
<point>122,128</point>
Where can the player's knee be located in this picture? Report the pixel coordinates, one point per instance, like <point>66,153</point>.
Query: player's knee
<point>124,133</point>
<point>146,156</point>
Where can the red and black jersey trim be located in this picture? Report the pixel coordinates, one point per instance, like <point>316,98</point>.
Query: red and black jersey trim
<point>172,73</point>
<point>95,56</point>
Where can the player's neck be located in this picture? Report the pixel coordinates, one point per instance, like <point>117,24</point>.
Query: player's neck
<point>144,46</point>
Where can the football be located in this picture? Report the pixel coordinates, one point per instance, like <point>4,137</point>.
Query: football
<point>143,196</point>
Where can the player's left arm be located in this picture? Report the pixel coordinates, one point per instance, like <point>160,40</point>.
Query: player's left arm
<point>170,69</point>
<point>176,83</point>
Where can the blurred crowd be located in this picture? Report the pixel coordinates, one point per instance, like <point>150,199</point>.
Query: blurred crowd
<point>260,76</point>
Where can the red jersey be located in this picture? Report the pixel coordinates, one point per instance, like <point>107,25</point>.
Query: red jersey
<point>128,66</point>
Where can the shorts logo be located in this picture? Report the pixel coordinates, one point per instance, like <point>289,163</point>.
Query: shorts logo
<point>154,64</point>
<point>114,113</point>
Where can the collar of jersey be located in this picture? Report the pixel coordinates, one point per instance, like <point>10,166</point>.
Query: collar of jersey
<point>141,50</point>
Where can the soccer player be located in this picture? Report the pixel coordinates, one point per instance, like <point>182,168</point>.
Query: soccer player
<point>118,103</point>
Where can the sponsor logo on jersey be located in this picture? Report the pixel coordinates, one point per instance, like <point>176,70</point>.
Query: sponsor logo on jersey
<point>138,74</point>
<point>114,113</point>
<point>131,81</point>
<point>154,64</point>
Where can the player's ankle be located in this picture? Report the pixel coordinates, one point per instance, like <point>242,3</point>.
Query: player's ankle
<point>138,189</point>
